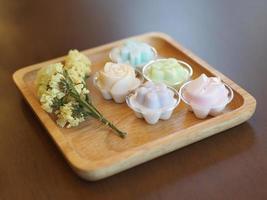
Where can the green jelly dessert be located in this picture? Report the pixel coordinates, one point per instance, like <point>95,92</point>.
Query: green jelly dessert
<point>170,71</point>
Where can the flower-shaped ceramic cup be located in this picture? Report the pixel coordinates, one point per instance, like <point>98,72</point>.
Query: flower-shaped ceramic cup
<point>116,81</point>
<point>153,101</point>
<point>170,71</point>
<point>206,96</point>
<point>134,53</point>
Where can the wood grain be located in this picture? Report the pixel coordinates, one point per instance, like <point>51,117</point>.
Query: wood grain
<point>95,153</point>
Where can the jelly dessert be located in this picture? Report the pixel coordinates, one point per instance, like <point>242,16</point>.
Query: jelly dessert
<point>206,96</point>
<point>153,101</point>
<point>134,53</point>
<point>116,81</point>
<point>169,71</point>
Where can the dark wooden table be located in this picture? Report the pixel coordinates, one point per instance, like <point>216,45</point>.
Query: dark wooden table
<point>231,35</point>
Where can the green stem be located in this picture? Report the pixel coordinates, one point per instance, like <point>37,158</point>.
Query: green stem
<point>90,107</point>
<point>99,116</point>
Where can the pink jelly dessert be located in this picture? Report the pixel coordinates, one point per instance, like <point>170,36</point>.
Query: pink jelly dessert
<point>206,95</point>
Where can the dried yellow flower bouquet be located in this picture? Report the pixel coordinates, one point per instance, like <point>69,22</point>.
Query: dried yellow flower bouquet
<point>62,91</point>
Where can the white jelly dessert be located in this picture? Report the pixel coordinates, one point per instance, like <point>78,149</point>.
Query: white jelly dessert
<point>116,81</point>
<point>153,101</point>
<point>206,95</point>
<point>134,53</point>
<point>169,71</point>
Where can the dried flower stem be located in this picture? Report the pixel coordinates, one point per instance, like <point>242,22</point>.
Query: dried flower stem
<point>90,108</point>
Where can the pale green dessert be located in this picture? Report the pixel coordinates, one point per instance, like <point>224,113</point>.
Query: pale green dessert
<point>169,71</point>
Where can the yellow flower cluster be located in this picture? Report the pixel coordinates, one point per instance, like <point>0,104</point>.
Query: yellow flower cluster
<point>65,116</point>
<point>44,76</point>
<point>50,83</point>
<point>77,66</point>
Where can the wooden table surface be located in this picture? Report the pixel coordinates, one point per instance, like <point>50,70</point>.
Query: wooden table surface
<point>230,35</point>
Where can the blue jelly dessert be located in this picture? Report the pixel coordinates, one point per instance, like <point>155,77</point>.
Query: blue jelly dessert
<point>135,53</point>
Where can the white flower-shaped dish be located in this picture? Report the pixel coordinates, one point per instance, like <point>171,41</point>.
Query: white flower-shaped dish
<point>201,112</point>
<point>152,115</point>
<point>118,98</point>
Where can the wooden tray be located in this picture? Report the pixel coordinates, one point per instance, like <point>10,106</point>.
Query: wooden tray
<point>95,153</point>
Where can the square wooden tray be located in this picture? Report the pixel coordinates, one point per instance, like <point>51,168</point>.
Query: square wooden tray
<point>95,153</point>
